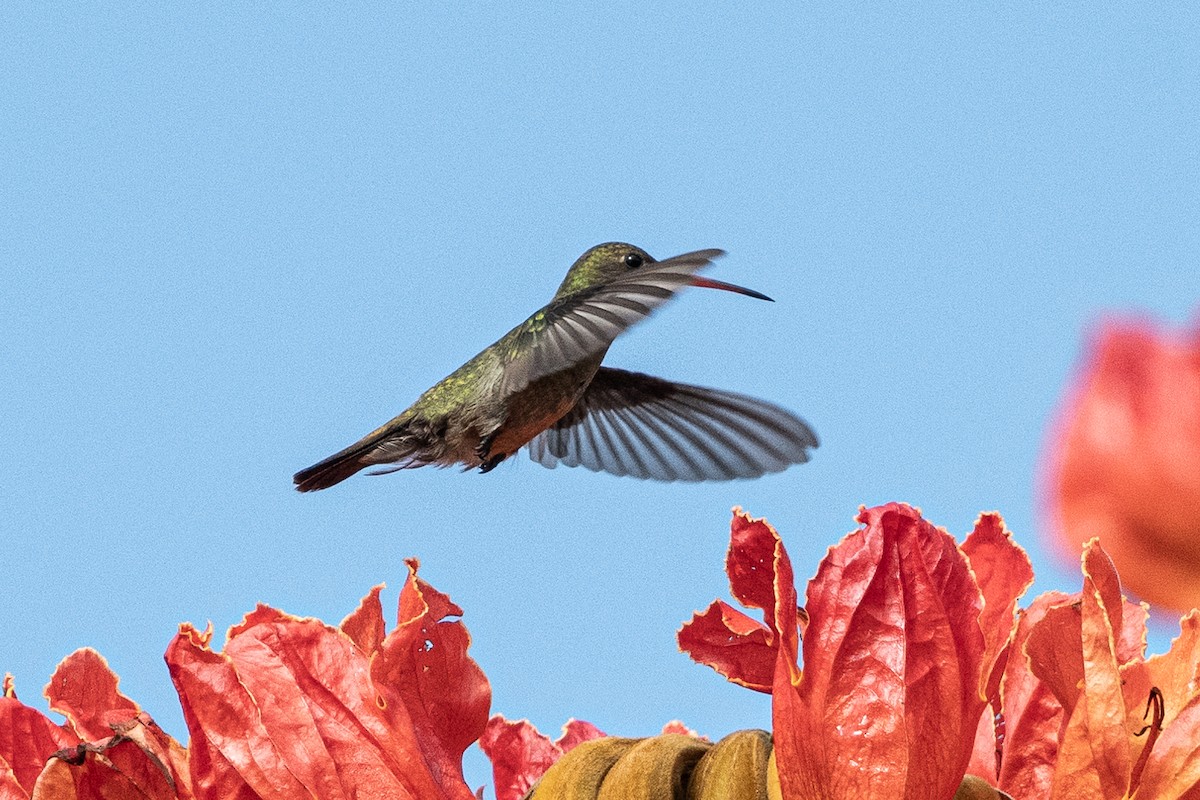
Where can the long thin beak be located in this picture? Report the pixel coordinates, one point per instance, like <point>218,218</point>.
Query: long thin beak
<point>709,283</point>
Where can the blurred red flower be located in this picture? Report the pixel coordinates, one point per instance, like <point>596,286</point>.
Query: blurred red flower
<point>1123,459</point>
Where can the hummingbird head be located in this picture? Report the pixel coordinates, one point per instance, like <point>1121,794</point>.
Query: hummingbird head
<point>608,261</point>
<point>601,264</point>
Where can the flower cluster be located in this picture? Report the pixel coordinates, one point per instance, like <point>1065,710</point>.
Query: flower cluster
<point>291,708</point>
<point>916,670</point>
<point>909,672</point>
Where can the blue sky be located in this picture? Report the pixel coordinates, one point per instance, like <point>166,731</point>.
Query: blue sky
<point>236,239</point>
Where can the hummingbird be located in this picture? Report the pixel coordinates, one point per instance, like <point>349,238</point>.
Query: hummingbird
<point>542,386</point>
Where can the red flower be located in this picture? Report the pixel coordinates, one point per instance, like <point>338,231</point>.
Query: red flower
<point>901,644</point>
<point>108,747</point>
<point>1086,716</point>
<point>909,638</point>
<point>1124,460</point>
<point>291,708</point>
<point>295,708</point>
<point>27,739</point>
<point>520,754</point>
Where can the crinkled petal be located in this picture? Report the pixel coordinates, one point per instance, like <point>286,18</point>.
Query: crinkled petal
<point>84,689</point>
<point>1095,757</point>
<point>725,639</point>
<point>1177,672</point>
<point>750,562</point>
<point>293,707</point>
<point>576,732</point>
<point>423,664</point>
<point>1003,572</point>
<point>731,643</point>
<point>984,751</point>
<point>129,765</point>
<point>365,625</point>
<point>1032,715</point>
<point>520,754</point>
<point>1173,771</point>
<point>1053,644</point>
<point>27,738</point>
<point>1054,653</point>
<point>889,701</point>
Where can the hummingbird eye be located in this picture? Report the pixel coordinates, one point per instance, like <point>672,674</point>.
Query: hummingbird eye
<point>633,260</point>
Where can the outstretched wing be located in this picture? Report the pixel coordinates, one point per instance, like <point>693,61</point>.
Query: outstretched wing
<point>584,324</point>
<point>627,423</point>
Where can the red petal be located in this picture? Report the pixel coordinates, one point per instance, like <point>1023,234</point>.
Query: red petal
<point>519,755</point>
<point>1003,572</point>
<point>732,644</point>
<point>1094,757</point>
<point>1177,672</point>
<point>365,626</point>
<point>1032,715</point>
<point>1174,767</point>
<point>983,753</point>
<point>27,739</point>
<point>9,788</point>
<point>293,707</point>
<point>750,563</point>
<point>576,732</point>
<point>889,701</point>
<point>721,637</point>
<point>1173,763</point>
<point>139,762</point>
<point>1124,459</point>
<point>1053,646</point>
<point>1054,653</point>
<point>424,665</point>
<point>84,689</point>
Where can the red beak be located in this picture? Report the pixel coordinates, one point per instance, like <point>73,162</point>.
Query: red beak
<point>709,283</point>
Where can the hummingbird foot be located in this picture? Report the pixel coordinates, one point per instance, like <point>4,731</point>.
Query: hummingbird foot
<point>491,463</point>
<point>483,450</point>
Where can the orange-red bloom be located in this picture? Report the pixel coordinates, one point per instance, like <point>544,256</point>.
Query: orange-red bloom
<point>1124,460</point>
<point>901,644</point>
<point>1086,715</point>
<point>27,739</point>
<point>290,708</point>
<point>917,669</point>
<point>107,748</point>
<point>293,707</point>
<point>891,692</point>
<point>520,754</point>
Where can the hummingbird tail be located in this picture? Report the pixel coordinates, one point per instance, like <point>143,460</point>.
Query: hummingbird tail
<point>404,443</point>
<point>332,470</point>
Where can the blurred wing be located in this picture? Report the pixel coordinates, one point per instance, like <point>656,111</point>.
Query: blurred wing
<point>584,324</point>
<point>632,424</point>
